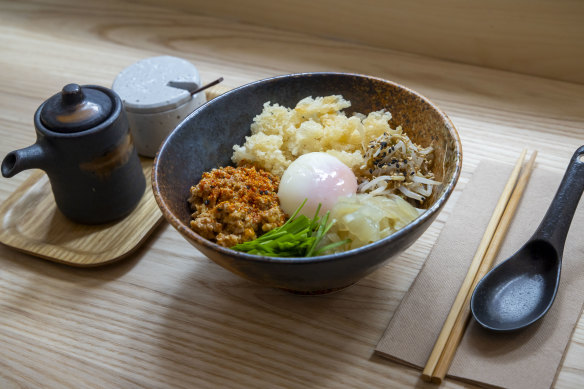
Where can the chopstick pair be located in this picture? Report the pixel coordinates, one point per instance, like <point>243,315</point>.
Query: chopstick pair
<point>459,315</point>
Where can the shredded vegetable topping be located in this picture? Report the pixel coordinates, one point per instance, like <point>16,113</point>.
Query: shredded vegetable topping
<point>399,166</point>
<point>367,217</point>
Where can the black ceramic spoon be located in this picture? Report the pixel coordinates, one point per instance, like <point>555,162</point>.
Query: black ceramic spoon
<point>520,290</point>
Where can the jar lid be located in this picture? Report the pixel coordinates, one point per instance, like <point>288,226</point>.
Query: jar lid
<point>143,86</point>
<point>75,109</point>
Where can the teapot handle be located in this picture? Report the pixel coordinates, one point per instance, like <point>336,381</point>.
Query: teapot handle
<point>31,157</point>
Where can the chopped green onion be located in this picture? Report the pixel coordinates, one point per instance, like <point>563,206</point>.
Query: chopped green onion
<point>298,237</point>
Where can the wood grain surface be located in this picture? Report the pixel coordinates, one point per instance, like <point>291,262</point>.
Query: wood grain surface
<point>167,317</point>
<point>537,37</point>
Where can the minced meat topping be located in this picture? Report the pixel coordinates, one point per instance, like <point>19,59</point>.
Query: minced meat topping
<point>235,205</point>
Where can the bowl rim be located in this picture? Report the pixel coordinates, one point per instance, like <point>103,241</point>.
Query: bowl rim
<point>187,232</point>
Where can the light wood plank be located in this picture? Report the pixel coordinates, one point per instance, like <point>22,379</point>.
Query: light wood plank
<point>167,316</point>
<point>537,37</point>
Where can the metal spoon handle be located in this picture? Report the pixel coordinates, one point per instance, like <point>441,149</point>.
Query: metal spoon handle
<point>556,222</point>
<point>191,87</point>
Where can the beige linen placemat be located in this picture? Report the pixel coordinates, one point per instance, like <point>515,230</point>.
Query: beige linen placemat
<point>525,359</point>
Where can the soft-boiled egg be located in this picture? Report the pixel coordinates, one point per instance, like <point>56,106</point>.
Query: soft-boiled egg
<point>317,177</point>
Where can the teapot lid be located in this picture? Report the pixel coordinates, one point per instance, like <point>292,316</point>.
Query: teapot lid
<point>76,109</point>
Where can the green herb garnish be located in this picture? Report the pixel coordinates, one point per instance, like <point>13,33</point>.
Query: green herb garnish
<point>298,237</point>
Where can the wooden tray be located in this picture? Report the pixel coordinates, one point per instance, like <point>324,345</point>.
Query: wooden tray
<point>30,222</point>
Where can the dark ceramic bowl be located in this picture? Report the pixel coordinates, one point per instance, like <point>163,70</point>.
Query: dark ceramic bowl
<point>204,140</point>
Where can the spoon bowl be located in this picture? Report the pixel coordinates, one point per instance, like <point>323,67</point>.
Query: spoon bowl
<point>521,290</point>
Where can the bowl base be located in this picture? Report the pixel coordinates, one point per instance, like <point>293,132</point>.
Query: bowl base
<point>317,292</point>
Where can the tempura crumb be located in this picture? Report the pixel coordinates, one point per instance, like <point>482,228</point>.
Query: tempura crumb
<point>279,135</point>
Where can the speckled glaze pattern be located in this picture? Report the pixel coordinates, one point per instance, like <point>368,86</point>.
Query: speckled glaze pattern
<point>204,140</point>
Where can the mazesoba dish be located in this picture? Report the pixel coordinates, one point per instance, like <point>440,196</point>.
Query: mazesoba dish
<point>336,182</point>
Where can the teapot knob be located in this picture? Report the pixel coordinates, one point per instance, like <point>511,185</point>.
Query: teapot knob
<point>72,94</point>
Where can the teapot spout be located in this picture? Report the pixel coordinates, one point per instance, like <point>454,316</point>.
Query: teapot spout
<point>31,157</point>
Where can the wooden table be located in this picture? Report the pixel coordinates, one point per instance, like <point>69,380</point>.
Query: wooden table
<point>169,317</point>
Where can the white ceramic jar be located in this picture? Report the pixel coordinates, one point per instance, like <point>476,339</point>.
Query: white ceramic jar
<point>153,108</point>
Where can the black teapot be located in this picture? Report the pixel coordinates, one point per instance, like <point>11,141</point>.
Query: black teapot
<point>85,147</point>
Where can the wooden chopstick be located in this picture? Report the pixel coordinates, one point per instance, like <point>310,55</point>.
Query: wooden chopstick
<point>486,265</point>
<point>466,288</point>
<point>438,349</point>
